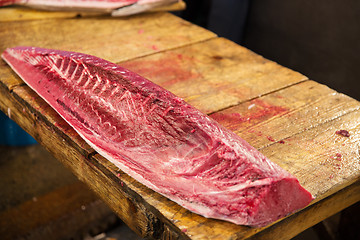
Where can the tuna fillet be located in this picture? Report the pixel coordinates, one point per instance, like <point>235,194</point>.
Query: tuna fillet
<point>159,139</point>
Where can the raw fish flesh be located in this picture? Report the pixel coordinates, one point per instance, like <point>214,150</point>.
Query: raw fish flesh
<point>159,139</point>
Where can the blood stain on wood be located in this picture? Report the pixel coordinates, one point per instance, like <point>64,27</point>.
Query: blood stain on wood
<point>257,133</point>
<point>165,71</point>
<point>344,133</point>
<point>258,112</point>
<point>338,156</point>
<point>270,138</point>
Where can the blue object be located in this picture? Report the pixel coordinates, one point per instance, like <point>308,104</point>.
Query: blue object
<point>13,135</point>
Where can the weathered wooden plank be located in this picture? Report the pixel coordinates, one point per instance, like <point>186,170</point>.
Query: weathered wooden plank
<point>176,6</point>
<point>284,113</point>
<point>214,74</point>
<point>8,77</point>
<point>113,39</point>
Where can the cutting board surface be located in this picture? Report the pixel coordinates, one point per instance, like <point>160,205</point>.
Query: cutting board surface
<point>289,118</point>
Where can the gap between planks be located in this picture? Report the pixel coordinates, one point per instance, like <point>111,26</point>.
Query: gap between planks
<point>169,49</point>
<point>259,96</point>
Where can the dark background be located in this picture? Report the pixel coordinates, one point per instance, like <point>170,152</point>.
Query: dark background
<point>320,39</point>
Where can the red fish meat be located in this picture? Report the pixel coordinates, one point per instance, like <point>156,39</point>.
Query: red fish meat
<point>159,139</point>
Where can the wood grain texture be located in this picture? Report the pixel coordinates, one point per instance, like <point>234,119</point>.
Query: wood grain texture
<point>323,161</point>
<point>216,71</point>
<point>284,113</point>
<point>177,6</point>
<point>113,39</point>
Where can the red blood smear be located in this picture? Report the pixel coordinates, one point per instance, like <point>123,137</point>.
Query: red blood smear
<point>260,112</point>
<point>258,133</point>
<point>338,156</point>
<point>343,133</point>
<point>170,69</point>
<point>270,138</point>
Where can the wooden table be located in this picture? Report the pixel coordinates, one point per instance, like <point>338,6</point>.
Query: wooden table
<point>289,118</point>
